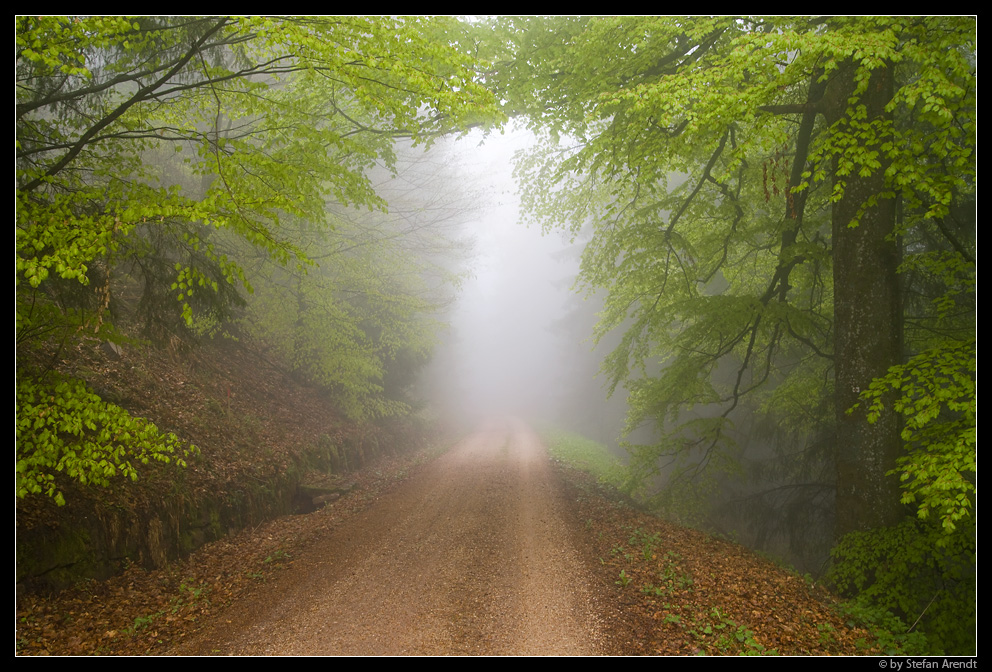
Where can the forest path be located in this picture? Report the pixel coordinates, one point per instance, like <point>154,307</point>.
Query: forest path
<point>473,555</point>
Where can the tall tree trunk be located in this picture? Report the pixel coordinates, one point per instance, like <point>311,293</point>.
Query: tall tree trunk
<point>867,326</point>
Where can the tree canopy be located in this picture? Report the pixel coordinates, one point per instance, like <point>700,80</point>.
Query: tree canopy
<point>711,154</point>
<point>274,115</point>
<point>780,212</point>
<point>782,215</point>
<point>156,158</point>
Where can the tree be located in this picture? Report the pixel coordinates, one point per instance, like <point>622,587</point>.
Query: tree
<point>276,116</point>
<point>752,182</point>
<point>778,206</point>
<point>361,321</point>
<point>268,119</point>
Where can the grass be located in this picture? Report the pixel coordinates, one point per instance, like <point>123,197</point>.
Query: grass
<point>586,455</point>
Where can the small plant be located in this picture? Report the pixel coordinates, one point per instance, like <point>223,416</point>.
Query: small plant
<point>826,633</point>
<point>647,542</point>
<point>624,580</point>
<point>189,594</point>
<point>142,622</point>
<point>723,635</point>
<point>751,646</point>
<point>651,589</point>
<point>279,556</point>
<point>672,576</point>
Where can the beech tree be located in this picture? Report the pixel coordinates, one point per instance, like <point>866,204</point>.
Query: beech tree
<point>362,319</point>
<point>783,217</point>
<point>268,121</point>
<point>752,183</point>
<point>276,115</point>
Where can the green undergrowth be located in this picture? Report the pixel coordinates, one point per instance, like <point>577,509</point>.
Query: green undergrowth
<point>587,455</point>
<point>915,578</point>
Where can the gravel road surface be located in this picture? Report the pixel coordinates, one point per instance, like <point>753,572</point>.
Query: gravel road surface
<point>470,556</point>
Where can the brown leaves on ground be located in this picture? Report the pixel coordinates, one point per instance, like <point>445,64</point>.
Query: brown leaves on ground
<point>677,591</point>
<point>146,612</point>
<point>687,593</point>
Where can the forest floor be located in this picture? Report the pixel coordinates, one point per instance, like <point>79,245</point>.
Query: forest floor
<point>487,548</point>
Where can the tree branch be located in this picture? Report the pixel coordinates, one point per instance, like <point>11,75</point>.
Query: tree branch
<point>139,96</point>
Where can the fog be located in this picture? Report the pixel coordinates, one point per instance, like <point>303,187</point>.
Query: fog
<point>519,340</point>
<point>520,343</point>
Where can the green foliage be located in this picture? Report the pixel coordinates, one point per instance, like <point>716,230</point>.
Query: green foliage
<point>703,158</point>
<point>161,160</point>
<point>912,578</point>
<point>589,456</point>
<point>273,116</point>
<point>717,633</point>
<point>725,636</point>
<point>63,427</point>
<point>686,262</point>
<point>361,320</point>
<point>888,632</point>
<point>269,118</point>
<point>142,622</point>
<point>935,393</point>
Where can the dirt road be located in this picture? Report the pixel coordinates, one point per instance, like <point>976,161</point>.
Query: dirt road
<point>472,555</point>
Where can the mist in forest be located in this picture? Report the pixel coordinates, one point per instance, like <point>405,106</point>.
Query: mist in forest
<point>780,221</point>
<point>519,341</point>
<point>519,333</point>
